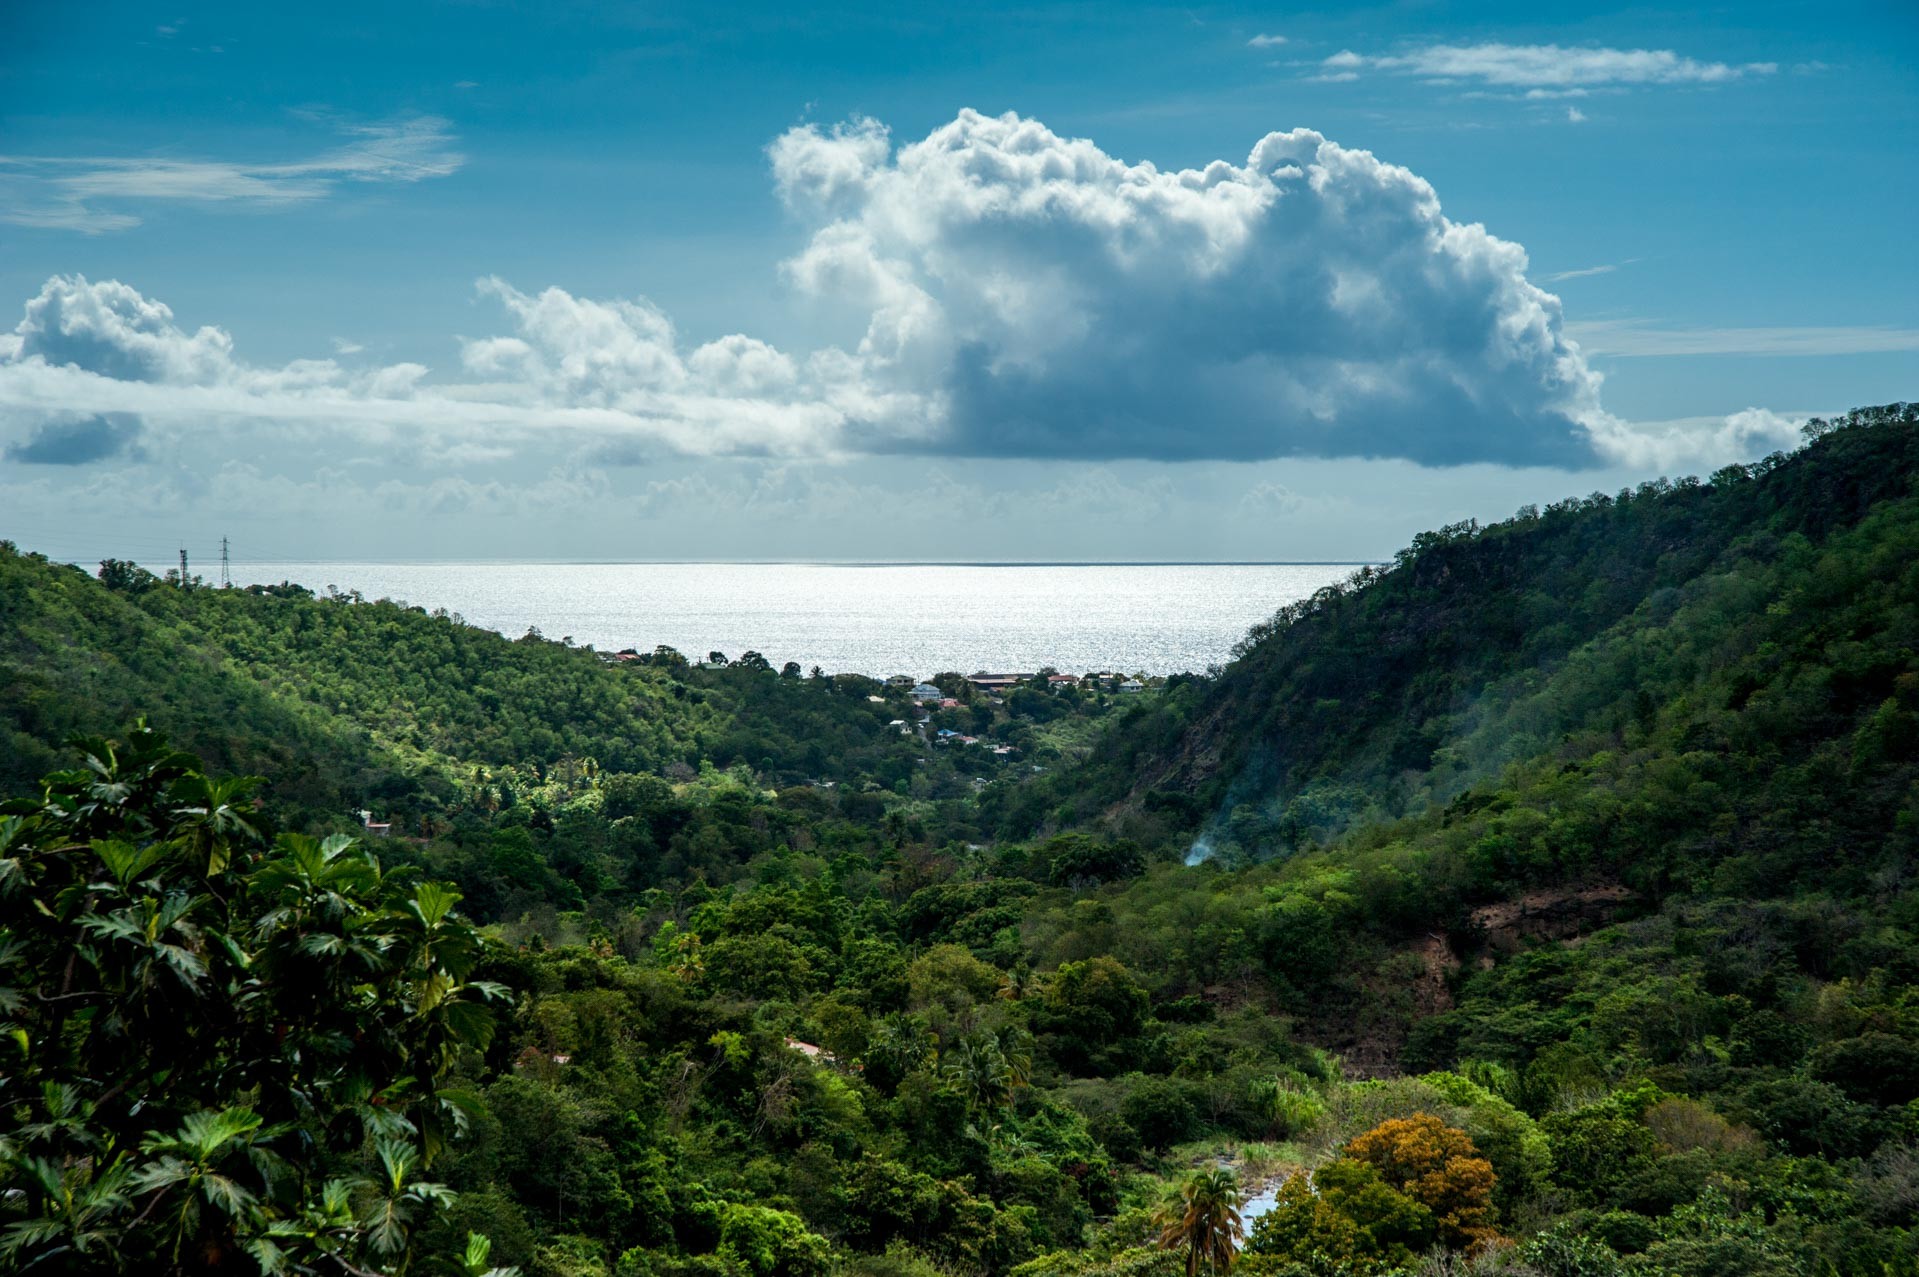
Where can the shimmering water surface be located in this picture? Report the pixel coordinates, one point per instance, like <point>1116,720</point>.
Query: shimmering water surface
<point>870,618</point>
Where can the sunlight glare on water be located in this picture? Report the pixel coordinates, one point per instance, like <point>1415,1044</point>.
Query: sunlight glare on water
<point>868,618</point>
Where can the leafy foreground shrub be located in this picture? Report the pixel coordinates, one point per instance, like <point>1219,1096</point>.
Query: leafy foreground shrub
<point>219,1054</point>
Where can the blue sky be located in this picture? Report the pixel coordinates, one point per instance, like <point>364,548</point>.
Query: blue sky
<point>1306,363</point>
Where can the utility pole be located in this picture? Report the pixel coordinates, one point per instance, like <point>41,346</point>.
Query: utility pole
<point>225,580</point>
<point>183,567</point>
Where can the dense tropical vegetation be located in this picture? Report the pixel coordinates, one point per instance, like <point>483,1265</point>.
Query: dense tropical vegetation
<point>1552,911</point>
<point>222,1053</point>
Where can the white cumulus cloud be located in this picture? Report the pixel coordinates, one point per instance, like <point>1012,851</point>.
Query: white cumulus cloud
<point>1042,297</point>
<point>1694,443</point>
<point>578,367</point>
<point>110,329</point>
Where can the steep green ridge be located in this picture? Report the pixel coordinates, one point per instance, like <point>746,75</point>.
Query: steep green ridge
<point>1750,735</point>
<point>1480,647</point>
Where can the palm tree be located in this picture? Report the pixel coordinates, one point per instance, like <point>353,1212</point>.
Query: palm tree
<point>975,1063</point>
<point>1016,1048</point>
<point>1204,1221</point>
<point>898,1043</point>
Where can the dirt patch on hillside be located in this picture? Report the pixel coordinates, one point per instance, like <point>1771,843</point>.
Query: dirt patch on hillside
<point>1407,987</point>
<point>1432,990</point>
<point>1194,761</point>
<point>1562,915</point>
<point>1418,982</point>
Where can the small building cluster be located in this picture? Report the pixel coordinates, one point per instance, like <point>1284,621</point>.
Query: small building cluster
<point>996,686</point>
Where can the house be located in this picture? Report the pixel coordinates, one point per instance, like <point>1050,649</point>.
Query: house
<point>374,828</point>
<point>1062,680</point>
<point>927,692</point>
<point>817,1054</point>
<point>947,733</point>
<point>901,681</point>
<point>1131,686</point>
<point>947,702</point>
<point>996,682</point>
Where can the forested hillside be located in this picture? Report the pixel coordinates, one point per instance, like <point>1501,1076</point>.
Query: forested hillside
<point>1413,681</point>
<point>345,701</point>
<point>1555,914</point>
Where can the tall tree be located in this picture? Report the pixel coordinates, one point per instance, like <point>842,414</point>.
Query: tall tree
<point>1204,1222</point>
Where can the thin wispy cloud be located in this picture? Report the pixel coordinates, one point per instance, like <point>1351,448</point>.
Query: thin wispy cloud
<point>1635,338</point>
<point>1264,41</point>
<point>1587,271</point>
<point>98,194</point>
<point>1544,69</point>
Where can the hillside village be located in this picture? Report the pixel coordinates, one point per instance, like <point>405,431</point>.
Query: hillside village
<point>987,725</point>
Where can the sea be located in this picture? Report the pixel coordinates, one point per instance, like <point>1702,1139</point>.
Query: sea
<point>867,618</point>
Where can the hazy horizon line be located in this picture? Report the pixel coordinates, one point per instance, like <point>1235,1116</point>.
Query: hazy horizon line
<point>816,562</point>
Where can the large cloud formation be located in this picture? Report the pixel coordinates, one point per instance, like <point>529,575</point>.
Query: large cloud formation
<point>1051,300</point>
<point>1021,294</point>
